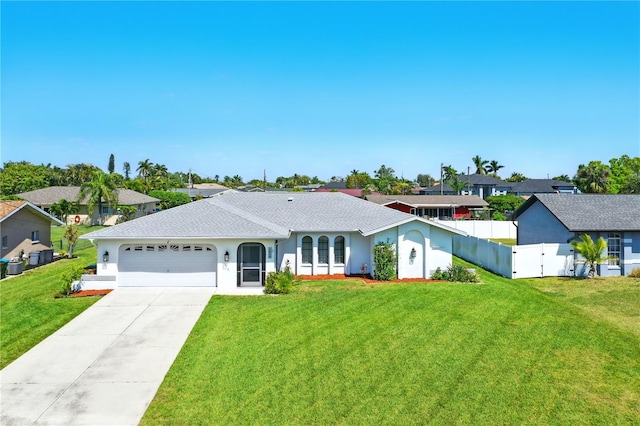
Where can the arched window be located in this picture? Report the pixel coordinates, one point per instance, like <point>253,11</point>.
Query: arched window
<point>307,250</point>
<point>323,250</point>
<point>338,250</point>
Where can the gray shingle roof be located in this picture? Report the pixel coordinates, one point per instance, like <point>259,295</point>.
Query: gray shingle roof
<point>430,200</point>
<point>591,212</point>
<point>262,215</point>
<point>53,194</point>
<point>540,186</point>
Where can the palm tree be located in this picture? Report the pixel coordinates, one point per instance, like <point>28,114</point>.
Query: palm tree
<point>493,167</point>
<point>593,178</point>
<point>145,169</point>
<point>591,252</point>
<point>101,188</point>
<point>480,163</point>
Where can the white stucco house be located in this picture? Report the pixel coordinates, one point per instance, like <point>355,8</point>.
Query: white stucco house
<point>234,239</point>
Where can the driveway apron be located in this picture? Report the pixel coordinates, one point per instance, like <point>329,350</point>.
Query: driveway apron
<point>105,366</point>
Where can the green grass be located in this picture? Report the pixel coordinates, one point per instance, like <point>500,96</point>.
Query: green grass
<point>29,311</point>
<point>505,241</point>
<point>615,300</point>
<point>332,352</point>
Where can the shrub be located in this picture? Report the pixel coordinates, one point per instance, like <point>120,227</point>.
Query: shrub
<point>635,273</point>
<point>441,275</point>
<point>68,277</point>
<point>385,262</point>
<point>280,282</point>
<point>499,216</point>
<point>456,273</point>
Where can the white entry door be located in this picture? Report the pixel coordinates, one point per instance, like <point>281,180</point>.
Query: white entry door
<point>163,265</point>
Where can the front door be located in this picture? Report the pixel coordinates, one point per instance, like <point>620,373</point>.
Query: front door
<point>251,265</point>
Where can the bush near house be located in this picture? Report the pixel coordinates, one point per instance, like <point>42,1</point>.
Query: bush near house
<point>456,273</point>
<point>280,282</point>
<point>385,261</point>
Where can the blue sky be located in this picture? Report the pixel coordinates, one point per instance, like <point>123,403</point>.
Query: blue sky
<point>321,88</point>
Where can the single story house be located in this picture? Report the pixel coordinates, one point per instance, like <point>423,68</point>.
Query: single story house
<point>445,207</point>
<point>24,227</point>
<point>46,197</point>
<point>201,190</point>
<point>528,187</point>
<point>235,238</point>
<point>561,218</point>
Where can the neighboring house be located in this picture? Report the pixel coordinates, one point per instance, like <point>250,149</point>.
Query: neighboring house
<point>235,238</point>
<point>542,186</point>
<point>445,207</point>
<point>481,185</point>
<point>561,218</point>
<point>444,189</point>
<point>354,192</point>
<point>202,190</point>
<point>25,227</point>
<point>46,197</point>
<point>341,186</point>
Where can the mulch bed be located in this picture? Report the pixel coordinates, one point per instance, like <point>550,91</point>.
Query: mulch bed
<point>366,278</point>
<point>85,293</point>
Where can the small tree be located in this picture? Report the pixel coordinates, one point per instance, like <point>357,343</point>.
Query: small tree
<point>71,235</point>
<point>385,262</point>
<point>126,213</point>
<point>592,253</point>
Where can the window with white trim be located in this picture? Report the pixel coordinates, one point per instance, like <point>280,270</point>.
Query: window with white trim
<point>307,249</point>
<point>338,250</point>
<point>5,241</point>
<point>613,249</point>
<point>35,235</point>
<point>323,250</point>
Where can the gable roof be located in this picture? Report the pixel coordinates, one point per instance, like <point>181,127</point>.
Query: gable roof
<point>590,212</point>
<point>540,186</point>
<point>53,194</point>
<point>10,207</point>
<point>430,200</point>
<point>478,179</point>
<point>263,215</point>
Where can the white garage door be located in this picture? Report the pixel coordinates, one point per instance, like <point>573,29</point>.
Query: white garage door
<point>183,265</point>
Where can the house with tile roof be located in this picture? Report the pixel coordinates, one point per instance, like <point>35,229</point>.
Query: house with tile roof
<point>445,207</point>
<point>561,218</point>
<point>234,239</point>
<point>24,227</point>
<point>44,198</point>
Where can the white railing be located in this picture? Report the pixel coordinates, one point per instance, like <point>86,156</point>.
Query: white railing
<point>485,228</point>
<point>526,261</point>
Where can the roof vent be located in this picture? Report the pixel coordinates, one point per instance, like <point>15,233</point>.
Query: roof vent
<point>290,199</point>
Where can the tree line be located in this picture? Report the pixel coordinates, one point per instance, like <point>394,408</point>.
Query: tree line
<point>620,175</point>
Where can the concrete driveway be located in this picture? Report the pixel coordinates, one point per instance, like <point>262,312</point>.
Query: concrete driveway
<point>105,366</point>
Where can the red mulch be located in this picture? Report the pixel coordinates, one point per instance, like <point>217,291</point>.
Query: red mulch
<point>84,293</point>
<point>366,278</point>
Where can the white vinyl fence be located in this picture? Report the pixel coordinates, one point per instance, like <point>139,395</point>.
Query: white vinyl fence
<point>484,228</point>
<point>527,261</point>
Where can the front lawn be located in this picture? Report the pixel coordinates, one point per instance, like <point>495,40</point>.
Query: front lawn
<point>612,299</point>
<point>29,311</point>
<point>334,352</point>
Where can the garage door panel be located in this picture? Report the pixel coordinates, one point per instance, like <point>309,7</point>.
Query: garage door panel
<point>167,265</point>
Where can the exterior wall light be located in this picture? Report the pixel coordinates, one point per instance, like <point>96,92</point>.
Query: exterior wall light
<point>413,253</point>
<point>105,257</point>
<point>226,256</point>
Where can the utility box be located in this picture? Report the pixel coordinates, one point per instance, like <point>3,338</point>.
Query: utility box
<point>34,257</point>
<point>14,268</point>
